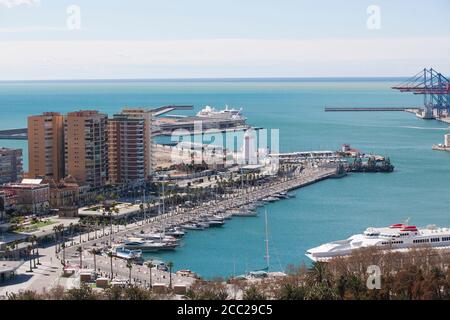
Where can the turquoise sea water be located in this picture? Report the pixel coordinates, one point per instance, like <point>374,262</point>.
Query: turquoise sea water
<point>326,211</point>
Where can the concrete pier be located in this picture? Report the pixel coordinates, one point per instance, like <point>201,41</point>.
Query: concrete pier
<point>14,134</point>
<point>334,109</point>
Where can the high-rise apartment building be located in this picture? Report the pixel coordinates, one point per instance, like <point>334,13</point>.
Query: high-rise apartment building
<point>46,145</point>
<point>10,165</point>
<point>86,154</point>
<point>129,145</point>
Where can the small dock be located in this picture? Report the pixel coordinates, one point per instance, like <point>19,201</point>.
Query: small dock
<point>441,148</point>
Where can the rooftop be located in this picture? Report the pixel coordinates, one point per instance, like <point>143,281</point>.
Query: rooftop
<point>123,207</point>
<point>25,186</point>
<point>31,181</point>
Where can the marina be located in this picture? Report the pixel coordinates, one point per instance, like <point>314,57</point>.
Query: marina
<point>142,237</point>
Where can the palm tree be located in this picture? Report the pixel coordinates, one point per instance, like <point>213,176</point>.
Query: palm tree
<point>14,245</point>
<point>11,250</point>
<point>80,230</point>
<point>33,248</point>
<point>110,255</point>
<point>37,252</point>
<point>61,230</point>
<point>148,205</point>
<point>71,233</point>
<point>63,262</point>
<point>129,266</point>
<point>170,266</point>
<point>89,227</point>
<point>110,209</point>
<point>29,257</point>
<point>94,253</point>
<point>96,226</point>
<point>141,207</point>
<point>318,271</point>
<point>55,229</point>
<point>103,227</point>
<point>7,252</point>
<point>80,251</point>
<point>150,265</point>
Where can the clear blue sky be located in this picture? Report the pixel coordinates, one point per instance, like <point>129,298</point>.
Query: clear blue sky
<point>195,38</point>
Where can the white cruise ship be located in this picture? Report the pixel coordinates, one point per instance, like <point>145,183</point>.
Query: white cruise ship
<point>396,237</point>
<point>210,112</point>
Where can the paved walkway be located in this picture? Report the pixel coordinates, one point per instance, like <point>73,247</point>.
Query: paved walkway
<point>45,275</point>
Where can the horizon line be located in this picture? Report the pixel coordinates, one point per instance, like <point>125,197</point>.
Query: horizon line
<point>214,79</point>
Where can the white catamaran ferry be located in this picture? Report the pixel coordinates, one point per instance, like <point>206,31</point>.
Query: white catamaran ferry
<point>399,236</point>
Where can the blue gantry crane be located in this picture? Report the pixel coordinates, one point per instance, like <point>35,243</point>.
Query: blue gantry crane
<point>435,89</point>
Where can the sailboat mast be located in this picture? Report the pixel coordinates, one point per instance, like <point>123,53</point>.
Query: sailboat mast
<point>163,199</point>
<point>144,206</point>
<point>267,242</point>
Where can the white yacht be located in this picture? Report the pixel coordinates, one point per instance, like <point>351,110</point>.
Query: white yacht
<point>270,199</point>
<point>192,226</point>
<point>156,236</point>
<point>147,245</point>
<point>214,221</point>
<point>127,254</point>
<point>175,232</point>
<point>399,236</point>
<point>245,213</point>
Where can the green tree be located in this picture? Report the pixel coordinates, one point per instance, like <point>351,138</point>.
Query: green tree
<point>94,253</point>
<point>80,251</point>
<point>110,255</point>
<point>253,293</point>
<point>291,291</point>
<point>114,293</point>
<point>84,292</point>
